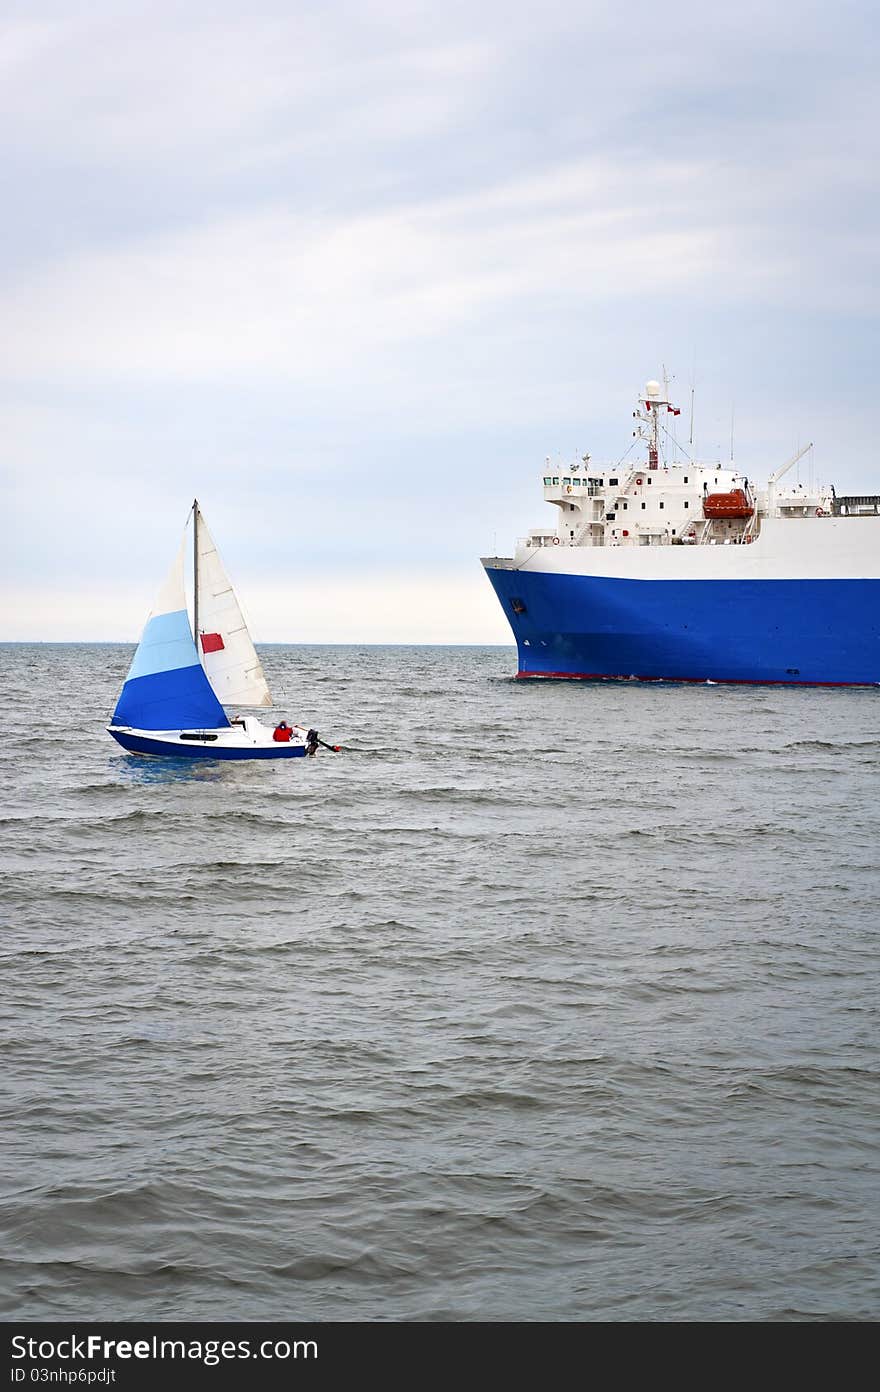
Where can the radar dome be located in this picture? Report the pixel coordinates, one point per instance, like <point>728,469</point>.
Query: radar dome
<point>653,389</point>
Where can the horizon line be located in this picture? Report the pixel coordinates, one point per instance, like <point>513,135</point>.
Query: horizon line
<point>268,643</point>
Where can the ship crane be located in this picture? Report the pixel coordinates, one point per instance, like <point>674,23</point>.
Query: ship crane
<point>774,478</point>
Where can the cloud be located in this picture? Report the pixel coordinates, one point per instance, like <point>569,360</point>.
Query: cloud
<point>296,298</point>
<point>309,300</point>
<point>362,266</point>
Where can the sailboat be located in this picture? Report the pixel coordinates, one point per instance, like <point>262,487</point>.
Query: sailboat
<point>181,677</point>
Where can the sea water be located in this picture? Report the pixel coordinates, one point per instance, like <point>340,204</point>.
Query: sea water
<point>539,1002</point>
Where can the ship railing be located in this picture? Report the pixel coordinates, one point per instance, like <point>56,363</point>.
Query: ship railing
<point>857,505</point>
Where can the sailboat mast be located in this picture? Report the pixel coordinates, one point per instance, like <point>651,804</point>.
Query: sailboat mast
<point>196,573</point>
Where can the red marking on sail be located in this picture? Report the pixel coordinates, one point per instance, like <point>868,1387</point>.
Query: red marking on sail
<point>212,642</point>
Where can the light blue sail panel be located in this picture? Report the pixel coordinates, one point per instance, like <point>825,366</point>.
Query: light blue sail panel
<point>166,687</point>
<point>166,643</point>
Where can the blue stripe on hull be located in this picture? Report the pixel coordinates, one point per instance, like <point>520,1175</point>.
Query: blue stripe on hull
<point>137,744</point>
<point>798,632</point>
<point>177,700</point>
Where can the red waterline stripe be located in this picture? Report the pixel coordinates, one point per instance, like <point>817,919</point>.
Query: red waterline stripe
<point>698,681</point>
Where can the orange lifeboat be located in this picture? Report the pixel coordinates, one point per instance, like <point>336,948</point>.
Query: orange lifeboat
<point>728,506</point>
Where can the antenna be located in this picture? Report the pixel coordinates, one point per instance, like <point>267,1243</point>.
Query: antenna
<point>731,431</point>
<point>648,416</point>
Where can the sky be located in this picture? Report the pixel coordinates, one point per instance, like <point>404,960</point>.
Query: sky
<point>351,271</point>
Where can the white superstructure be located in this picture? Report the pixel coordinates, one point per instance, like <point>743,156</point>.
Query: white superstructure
<point>668,501</point>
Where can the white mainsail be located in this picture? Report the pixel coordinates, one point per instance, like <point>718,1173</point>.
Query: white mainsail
<point>225,647</point>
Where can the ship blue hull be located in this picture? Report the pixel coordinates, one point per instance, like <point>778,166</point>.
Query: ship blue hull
<point>795,632</point>
<point>139,744</point>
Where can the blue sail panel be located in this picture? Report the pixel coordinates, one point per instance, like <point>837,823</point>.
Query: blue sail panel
<point>166,687</point>
<point>177,700</point>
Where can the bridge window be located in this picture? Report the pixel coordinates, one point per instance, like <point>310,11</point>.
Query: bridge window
<point>612,483</point>
<point>547,482</point>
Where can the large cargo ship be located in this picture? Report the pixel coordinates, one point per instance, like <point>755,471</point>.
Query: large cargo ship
<point>670,570</point>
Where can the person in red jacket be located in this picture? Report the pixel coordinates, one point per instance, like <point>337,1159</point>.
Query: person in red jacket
<point>282,732</point>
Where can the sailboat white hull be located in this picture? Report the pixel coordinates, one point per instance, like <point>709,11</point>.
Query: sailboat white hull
<point>249,740</point>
